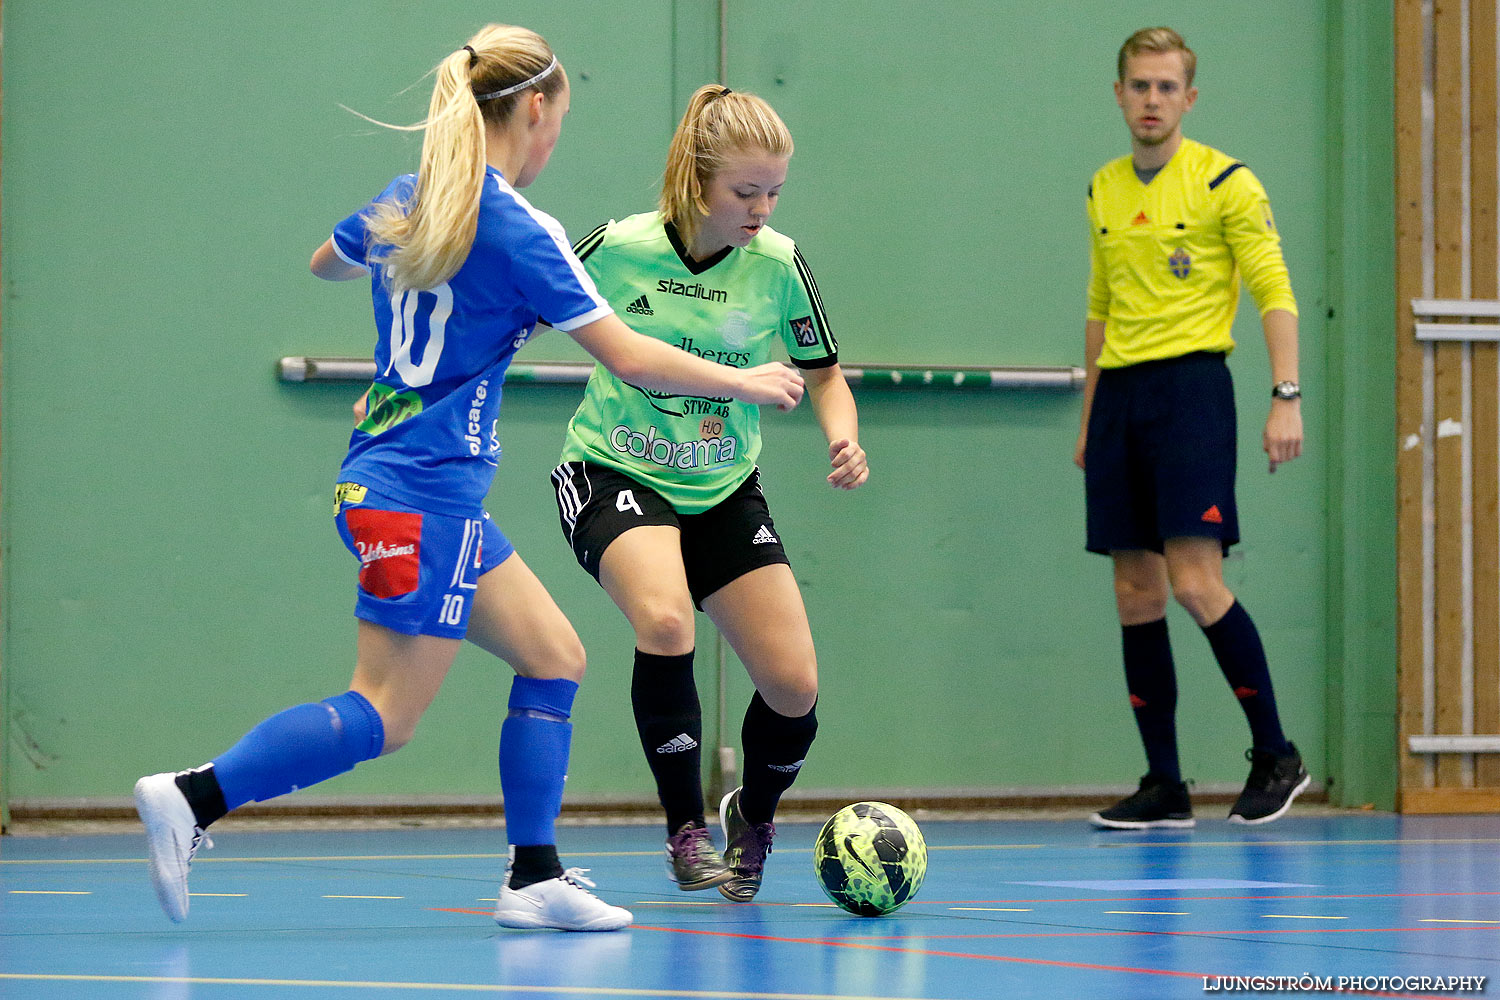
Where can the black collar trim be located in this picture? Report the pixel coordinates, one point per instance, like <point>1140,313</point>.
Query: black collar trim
<point>693,266</point>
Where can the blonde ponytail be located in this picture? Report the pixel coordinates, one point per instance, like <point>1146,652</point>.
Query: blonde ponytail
<point>717,123</point>
<point>431,233</point>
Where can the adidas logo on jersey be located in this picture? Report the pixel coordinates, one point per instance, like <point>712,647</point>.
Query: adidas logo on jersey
<point>764,537</point>
<point>640,307</point>
<point>677,744</point>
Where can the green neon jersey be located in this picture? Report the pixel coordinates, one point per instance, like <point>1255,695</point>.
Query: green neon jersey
<point>743,307</point>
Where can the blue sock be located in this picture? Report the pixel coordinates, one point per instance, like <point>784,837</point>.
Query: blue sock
<point>298,747</point>
<point>534,743</point>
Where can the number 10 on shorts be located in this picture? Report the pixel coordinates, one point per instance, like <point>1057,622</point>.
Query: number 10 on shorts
<point>452,612</point>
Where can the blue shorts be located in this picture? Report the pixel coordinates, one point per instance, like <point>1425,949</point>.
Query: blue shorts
<point>1159,459</point>
<point>418,570</point>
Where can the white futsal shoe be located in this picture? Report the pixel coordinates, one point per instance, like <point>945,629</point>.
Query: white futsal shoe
<point>563,903</point>
<point>173,837</point>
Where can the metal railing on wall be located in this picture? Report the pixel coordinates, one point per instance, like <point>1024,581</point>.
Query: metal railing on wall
<point>299,368</point>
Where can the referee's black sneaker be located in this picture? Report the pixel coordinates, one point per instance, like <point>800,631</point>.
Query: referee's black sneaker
<point>1158,803</point>
<point>1275,780</point>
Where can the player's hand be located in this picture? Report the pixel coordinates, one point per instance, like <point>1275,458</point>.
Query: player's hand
<point>850,468</point>
<point>773,384</point>
<point>361,406</point>
<point>1282,440</point>
<point>1083,438</point>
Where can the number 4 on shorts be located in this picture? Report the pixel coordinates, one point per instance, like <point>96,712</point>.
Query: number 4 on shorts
<point>625,500</point>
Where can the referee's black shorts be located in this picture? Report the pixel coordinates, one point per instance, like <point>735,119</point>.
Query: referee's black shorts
<point>1159,459</point>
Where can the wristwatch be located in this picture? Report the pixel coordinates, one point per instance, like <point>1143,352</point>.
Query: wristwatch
<point>1286,390</point>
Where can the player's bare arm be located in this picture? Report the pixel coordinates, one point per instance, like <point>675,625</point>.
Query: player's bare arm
<point>834,405</point>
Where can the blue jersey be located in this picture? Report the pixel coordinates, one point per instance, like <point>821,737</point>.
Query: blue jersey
<point>428,438</point>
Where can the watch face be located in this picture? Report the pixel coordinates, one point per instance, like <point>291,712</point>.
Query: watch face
<point>1286,390</point>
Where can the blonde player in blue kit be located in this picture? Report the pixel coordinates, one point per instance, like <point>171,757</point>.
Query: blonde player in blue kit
<point>461,266</point>
<point>659,494</point>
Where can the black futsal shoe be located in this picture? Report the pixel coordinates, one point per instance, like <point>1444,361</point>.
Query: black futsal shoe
<point>1275,780</point>
<point>1158,803</point>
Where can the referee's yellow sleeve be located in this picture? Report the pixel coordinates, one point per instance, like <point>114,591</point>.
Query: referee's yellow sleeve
<point>1098,290</point>
<point>1250,231</point>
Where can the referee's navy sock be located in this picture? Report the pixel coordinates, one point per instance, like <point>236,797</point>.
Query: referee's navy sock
<point>1152,683</point>
<point>669,719</point>
<point>775,747</point>
<point>1237,646</point>
<point>298,747</point>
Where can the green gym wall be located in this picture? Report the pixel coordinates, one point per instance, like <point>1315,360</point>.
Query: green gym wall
<point>170,570</point>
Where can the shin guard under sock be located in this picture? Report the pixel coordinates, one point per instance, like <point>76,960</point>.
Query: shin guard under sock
<point>299,747</point>
<point>669,720</point>
<point>534,743</point>
<point>775,748</point>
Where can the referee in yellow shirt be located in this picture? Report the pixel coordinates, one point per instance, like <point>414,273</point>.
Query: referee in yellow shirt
<point>1174,227</point>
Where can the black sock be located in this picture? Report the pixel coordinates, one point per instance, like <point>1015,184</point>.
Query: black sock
<point>670,722</point>
<point>201,788</point>
<point>1152,682</point>
<point>775,747</point>
<point>533,863</point>
<point>1242,658</point>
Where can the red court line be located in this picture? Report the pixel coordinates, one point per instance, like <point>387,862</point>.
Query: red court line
<point>1087,966</point>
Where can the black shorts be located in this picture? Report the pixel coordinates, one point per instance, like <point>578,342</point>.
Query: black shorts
<point>597,504</point>
<point>1159,459</point>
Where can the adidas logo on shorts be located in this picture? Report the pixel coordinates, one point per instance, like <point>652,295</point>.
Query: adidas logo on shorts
<point>677,744</point>
<point>640,307</point>
<point>788,768</point>
<point>764,536</point>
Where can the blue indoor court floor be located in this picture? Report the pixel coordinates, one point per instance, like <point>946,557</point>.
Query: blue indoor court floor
<point>1010,908</point>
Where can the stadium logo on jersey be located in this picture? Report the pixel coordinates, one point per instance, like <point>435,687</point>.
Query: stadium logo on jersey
<point>687,456</point>
<point>802,329</point>
<point>1180,263</point>
<point>640,307</point>
<point>693,291</point>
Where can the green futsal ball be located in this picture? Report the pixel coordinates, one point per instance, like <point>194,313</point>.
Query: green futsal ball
<point>870,858</point>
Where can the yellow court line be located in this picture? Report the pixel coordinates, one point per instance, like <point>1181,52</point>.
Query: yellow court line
<point>992,909</point>
<point>49,892</point>
<point>203,859</point>
<point>1435,920</point>
<point>1299,916</point>
<point>1155,913</point>
<point>598,991</point>
<point>364,897</point>
<point>667,902</point>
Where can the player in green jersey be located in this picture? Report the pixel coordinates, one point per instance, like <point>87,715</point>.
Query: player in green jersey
<point>659,493</point>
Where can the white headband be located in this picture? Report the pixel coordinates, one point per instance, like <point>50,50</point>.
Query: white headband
<point>522,85</point>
